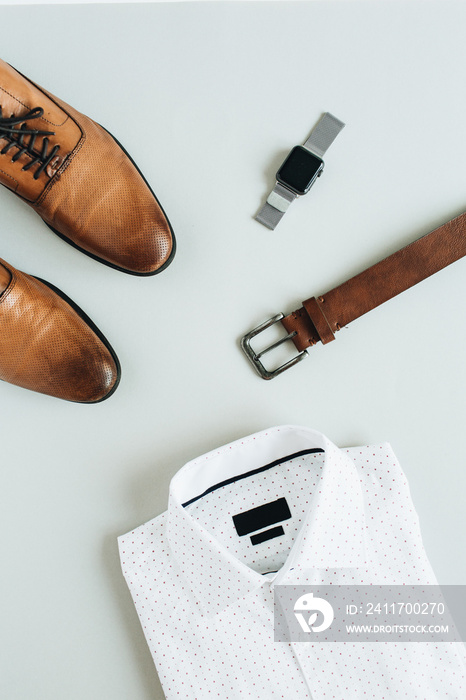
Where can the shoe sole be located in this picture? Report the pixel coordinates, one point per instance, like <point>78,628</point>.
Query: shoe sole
<point>95,330</point>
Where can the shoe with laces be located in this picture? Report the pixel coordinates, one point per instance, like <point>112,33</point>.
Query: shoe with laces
<point>79,179</point>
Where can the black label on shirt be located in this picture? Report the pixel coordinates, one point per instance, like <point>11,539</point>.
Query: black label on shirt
<point>262,516</point>
<point>267,535</point>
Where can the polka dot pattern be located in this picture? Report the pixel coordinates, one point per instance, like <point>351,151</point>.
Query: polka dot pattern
<point>204,595</point>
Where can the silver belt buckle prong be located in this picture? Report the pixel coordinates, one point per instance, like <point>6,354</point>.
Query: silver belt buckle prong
<point>255,358</point>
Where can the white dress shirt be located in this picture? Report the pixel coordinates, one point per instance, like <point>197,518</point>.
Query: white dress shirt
<point>204,592</point>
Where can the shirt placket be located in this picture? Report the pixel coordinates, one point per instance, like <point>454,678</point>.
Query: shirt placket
<point>302,651</point>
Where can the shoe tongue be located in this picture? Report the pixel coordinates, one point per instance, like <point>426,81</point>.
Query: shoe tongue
<point>18,96</point>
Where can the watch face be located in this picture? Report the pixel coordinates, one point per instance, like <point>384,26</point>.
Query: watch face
<point>299,170</point>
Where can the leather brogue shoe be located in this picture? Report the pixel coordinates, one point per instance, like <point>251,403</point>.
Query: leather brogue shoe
<point>49,345</point>
<point>79,179</point>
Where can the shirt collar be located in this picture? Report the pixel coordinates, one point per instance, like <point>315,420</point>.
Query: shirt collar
<point>332,534</point>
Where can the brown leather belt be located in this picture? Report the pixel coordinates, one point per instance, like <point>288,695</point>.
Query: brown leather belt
<point>320,317</point>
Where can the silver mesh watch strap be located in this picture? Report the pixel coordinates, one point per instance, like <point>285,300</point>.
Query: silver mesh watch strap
<point>276,205</point>
<point>322,136</point>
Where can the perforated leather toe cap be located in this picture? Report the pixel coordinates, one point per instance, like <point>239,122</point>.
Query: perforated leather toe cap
<point>49,345</point>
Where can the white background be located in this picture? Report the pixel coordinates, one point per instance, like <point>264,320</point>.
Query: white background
<point>208,99</point>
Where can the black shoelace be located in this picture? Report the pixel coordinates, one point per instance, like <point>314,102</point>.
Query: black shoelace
<point>15,139</point>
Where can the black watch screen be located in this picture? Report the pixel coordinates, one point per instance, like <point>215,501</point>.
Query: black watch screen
<point>299,170</point>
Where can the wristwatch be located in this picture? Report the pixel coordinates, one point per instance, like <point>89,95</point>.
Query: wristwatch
<point>300,169</point>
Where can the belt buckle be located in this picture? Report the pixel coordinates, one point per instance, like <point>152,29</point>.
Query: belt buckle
<point>255,358</point>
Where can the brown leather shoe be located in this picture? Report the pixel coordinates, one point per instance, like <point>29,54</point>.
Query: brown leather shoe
<point>79,179</point>
<point>49,345</point>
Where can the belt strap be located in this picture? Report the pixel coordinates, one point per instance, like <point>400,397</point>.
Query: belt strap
<point>320,317</point>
